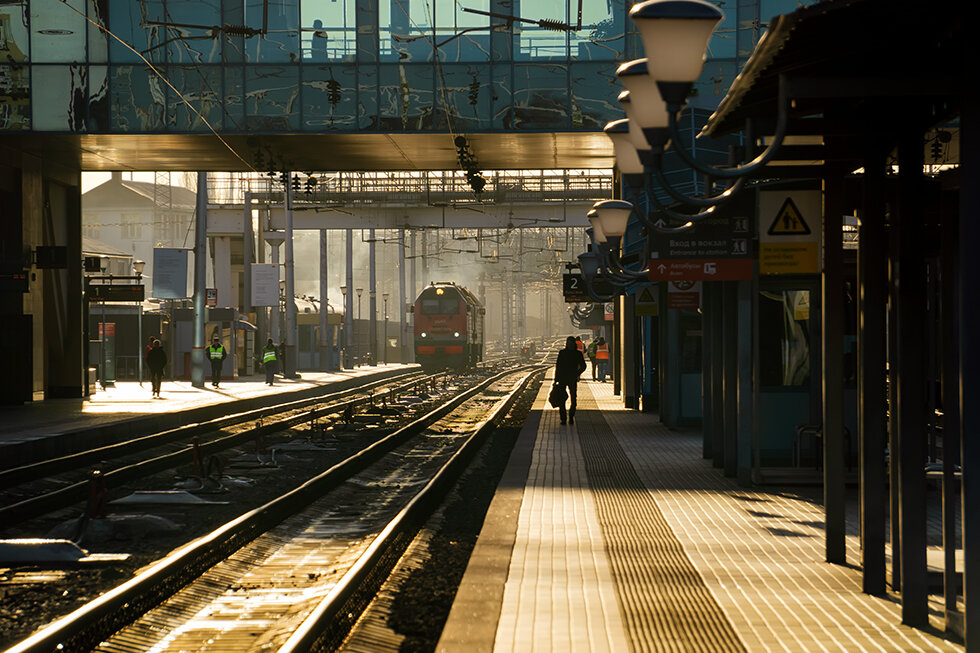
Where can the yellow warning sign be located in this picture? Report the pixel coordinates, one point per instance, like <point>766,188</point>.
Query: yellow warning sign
<point>646,302</point>
<point>789,221</point>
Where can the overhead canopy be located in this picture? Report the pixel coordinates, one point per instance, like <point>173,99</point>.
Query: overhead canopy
<point>853,67</point>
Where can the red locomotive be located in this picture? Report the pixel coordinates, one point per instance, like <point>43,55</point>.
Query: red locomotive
<point>448,327</point>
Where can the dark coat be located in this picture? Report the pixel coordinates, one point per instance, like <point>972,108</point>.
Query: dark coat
<point>569,366</point>
<point>156,359</point>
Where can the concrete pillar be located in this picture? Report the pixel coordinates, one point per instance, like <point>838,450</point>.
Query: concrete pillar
<point>349,304</point>
<point>402,301</point>
<point>373,297</point>
<point>292,333</point>
<point>324,304</point>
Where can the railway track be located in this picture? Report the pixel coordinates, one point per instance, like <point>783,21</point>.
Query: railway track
<point>294,574</point>
<point>46,485</point>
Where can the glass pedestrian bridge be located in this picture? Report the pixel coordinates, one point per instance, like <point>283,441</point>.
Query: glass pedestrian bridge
<point>386,79</point>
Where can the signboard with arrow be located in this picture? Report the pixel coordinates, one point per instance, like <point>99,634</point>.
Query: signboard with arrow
<point>715,249</point>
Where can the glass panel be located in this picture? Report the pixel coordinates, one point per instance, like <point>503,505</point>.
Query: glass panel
<point>60,98</point>
<point>723,42</point>
<point>329,32</point>
<point>234,92</point>
<point>602,35</point>
<point>281,42</point>
<point>713,84</point>
<point>14,44</point>
<point>462,35</point>
<point>784,338</point>
<point>329,98</point>
<point>58,30</point>
<point>466,97</point>
<point>593,95</point>
<point>136,99</point>
<point>690,329</point>
<point>271,92</point>
<point>98,99</point>
<point>405,30</point>
<point>126,21</point>
<point>502,97</point>
<point>98,40</point>
<point>541,97</point>
<point>15,99</point>
<point>189,35</point>
<point>367,97</point>
<point>201,87</point>
<point>536,42</point>
<point>406,97</point>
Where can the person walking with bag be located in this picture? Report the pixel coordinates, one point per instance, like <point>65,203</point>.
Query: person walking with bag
<point>156,360</point>
<point>568,368</point>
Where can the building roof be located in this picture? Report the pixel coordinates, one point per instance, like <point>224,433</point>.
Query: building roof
<point>93,247</point>
<point>126,193</point>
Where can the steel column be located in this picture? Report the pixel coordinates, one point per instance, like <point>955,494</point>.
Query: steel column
<point>969,327</point>
<point>832,294</point>
<point>910,292</point>
<point>200,280</point>
<point>872,427</point>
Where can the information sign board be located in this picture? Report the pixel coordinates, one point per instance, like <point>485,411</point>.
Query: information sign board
<point>789,235</point>
<point>116,292</point>
<point>574,290</point>
<point>169,273</point>
<point>609,311</point>
<point>700,270</point>
<point>684,295</point>
<point>265,284</point>
<point>211,297</point>
<point>714,249</point>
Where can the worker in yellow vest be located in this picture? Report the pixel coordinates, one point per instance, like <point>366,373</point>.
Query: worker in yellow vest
<point>602,357</point>
<point>270,362</point>
<point>216,354</point>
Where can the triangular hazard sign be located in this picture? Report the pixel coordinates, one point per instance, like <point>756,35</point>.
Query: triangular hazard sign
<point>789,221</point>
<point>646,297</point>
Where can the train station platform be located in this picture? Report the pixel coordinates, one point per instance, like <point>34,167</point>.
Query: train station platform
<point>614,534</point>
<point>59,426</point>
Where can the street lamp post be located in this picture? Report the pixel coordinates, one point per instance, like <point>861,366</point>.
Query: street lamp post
<point>384,339</point>
<point>138,267</point>
<point>347,328</point>
<point>357,347</point>
<point>373,323</point>
<point>103,330</point>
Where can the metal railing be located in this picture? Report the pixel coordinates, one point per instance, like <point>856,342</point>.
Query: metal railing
<point>412,188</point>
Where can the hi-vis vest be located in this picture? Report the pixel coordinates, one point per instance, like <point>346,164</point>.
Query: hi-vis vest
<point>269,355</point>
<point>580,345</point>
<point>217,353</point>
<point>602,352</point>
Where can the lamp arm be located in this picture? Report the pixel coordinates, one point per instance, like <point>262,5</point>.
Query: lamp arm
<point>782,124</point>
<point>617,272</point>
<point>656,226</point>
<point>724,196</point>
<point>663,209</point>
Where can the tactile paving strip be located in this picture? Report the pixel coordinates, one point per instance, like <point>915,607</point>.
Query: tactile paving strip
<point>665,603</point>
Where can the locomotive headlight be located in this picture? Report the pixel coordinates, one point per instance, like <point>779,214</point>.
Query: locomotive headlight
<point>456,334</point>
<point>423,334</point>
